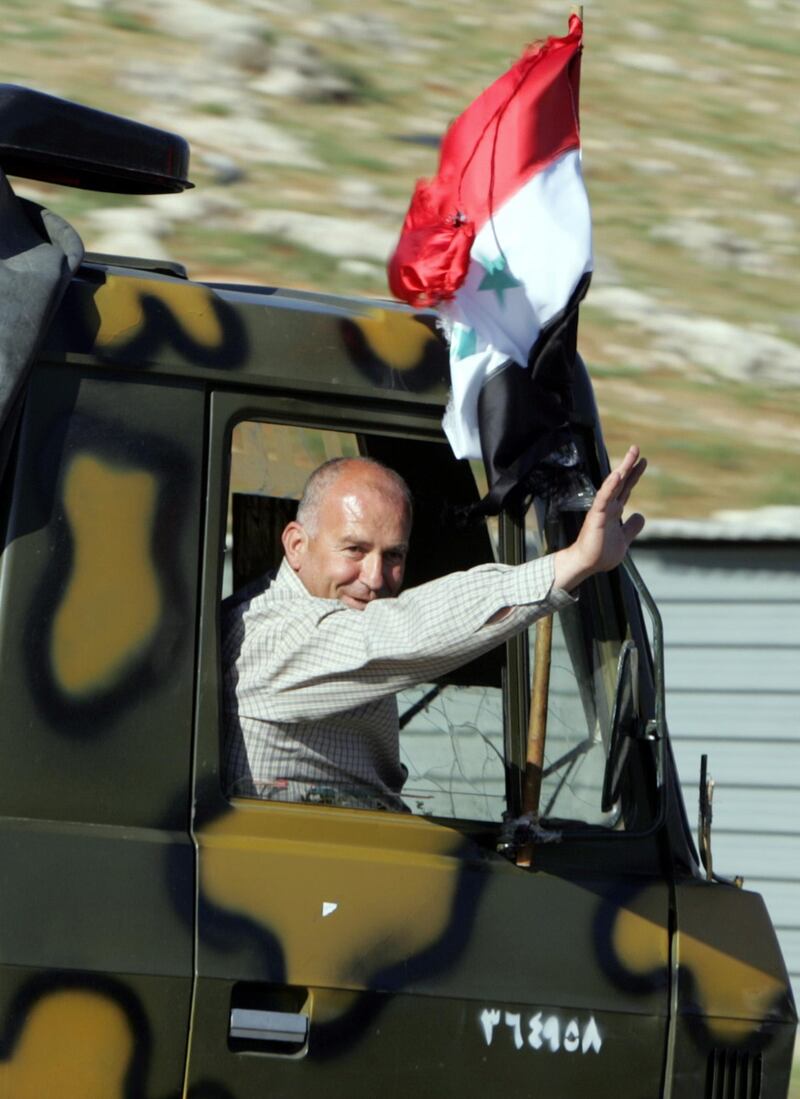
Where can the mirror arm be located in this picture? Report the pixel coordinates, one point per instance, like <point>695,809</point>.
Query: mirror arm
<point>656,728</point>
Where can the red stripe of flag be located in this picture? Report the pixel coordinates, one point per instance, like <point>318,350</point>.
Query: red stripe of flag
<point>521,123</point>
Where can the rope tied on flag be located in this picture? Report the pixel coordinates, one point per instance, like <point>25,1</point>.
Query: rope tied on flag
<point>433,258</point>
<point>531,55</point>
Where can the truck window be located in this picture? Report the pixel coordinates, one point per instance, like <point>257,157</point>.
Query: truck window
<point>456,743</point>
<point>452,731</point>
<point>269,465</point>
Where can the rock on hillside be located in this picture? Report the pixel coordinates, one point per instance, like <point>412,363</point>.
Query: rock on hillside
<point>683,340</point>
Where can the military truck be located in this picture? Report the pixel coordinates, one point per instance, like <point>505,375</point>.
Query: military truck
<point>161,937</point>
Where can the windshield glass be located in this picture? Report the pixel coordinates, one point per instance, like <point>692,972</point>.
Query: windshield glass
<point>451,743</point>
<point>584,656</point>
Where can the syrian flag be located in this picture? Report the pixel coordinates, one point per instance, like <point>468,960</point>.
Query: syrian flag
<point>499,242</point>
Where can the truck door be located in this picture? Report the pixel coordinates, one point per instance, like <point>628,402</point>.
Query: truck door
<point>99,511</point>
<point>344,951</point>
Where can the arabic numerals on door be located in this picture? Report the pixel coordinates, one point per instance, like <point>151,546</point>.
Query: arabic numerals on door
<point>538,1031</point>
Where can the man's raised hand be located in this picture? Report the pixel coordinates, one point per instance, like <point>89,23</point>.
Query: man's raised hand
<point>604,539</point>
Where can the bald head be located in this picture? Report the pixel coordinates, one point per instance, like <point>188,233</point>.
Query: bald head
<point>364,470</point>
<point>350,539</point>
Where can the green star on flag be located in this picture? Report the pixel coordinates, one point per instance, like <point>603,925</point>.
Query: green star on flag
<point>497,277</point>
<point>463,341</point>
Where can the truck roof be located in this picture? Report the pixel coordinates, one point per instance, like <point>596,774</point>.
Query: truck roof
<point>138,314</point>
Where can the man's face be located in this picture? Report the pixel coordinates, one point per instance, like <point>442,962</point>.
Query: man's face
<point>357,551</point>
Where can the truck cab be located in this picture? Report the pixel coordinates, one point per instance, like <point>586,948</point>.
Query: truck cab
<point>162,935</point>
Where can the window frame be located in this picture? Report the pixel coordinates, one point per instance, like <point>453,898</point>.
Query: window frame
<point>227,409</point>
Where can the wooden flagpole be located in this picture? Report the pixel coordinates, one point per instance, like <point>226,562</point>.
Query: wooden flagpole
<point>537,730</point>
<point>537,719</point>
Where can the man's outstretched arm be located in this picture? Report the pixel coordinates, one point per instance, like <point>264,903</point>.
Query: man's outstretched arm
<point>313,656</point>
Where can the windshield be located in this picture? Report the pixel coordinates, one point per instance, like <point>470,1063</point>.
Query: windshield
<point>584,656</point>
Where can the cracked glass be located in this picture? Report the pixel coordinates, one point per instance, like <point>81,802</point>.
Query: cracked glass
<point>451,741</point>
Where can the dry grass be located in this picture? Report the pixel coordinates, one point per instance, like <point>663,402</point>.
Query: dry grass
<point>689,115</point>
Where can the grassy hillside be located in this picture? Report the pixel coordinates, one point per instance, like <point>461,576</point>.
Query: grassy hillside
<point>301,110</point>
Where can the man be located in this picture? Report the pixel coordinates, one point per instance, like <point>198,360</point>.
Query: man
<point>312,663</point>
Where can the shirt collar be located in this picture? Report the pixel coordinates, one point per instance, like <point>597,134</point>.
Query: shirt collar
<point>288,582</point>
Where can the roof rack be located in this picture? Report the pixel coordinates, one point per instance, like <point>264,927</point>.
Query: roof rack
<point>54,140</point>
<point>135,263</point>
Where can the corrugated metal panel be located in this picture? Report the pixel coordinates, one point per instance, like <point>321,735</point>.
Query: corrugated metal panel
<point>774,861</point>
<point>724,573</point>
<point>752,669</point>
<point>732,631</point>
<point>707,716</point>
<point>753,763</point>
<point>705,622</point>
<point>768,812</point>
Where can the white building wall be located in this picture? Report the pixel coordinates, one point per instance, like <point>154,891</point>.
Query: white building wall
<point>732,636</point>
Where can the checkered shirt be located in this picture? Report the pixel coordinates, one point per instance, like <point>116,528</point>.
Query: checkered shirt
<point>309,684</point>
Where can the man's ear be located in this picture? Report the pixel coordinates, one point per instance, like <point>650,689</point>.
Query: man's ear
<point>295,542</point>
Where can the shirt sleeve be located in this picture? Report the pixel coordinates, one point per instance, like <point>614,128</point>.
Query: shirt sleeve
<point>323,658</point>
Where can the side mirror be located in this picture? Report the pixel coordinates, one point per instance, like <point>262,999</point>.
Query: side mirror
<point>625,722</point>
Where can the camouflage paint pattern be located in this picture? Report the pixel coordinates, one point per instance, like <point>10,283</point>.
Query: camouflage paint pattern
<point>321,344</point>
<point>98,624</point>
<point>99,627</point>
<point>122,303</point>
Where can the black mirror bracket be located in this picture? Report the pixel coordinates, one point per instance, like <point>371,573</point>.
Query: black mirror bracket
<point>656,728</point>
<point>705,817</point>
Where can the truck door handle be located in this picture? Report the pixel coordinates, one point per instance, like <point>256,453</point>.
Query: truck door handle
<point>268,1026</point>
